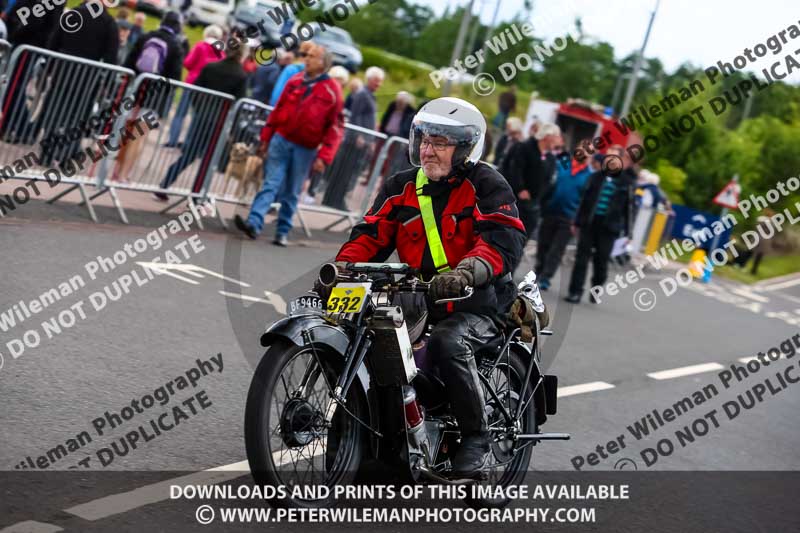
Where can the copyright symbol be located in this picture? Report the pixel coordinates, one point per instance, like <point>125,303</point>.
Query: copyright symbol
<point>264,56</point>
<point>483,84</point>
<point>68,22</point>
<point>612,165</point>
<point>626,464</point>
<point>644,299</point>
<point>204,514</point>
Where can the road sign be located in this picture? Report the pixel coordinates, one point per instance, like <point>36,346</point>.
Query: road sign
<point>729,196</point>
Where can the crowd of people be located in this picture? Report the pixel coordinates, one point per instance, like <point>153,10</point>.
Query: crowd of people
<point>556,195</point>
<point>560,197</point>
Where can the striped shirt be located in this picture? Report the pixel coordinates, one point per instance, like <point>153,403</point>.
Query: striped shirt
<point>603,199</point>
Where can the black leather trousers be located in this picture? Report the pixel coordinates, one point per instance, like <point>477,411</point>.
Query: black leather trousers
<point>452,346</point>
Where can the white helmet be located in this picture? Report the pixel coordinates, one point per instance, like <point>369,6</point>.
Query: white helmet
<point>457,120</point>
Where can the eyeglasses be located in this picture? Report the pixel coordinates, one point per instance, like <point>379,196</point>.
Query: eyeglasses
<point>438,146</point>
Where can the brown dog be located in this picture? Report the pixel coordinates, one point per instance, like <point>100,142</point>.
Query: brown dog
<point>245,168</point>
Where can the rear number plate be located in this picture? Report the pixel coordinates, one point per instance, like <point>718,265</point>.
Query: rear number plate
<point>305,303</point>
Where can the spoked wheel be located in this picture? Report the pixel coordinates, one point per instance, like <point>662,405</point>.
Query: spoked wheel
<point>508,460</point>
<point>288,440</point>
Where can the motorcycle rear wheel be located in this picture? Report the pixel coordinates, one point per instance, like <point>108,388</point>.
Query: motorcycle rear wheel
<point>286,439</point>
<point>510,369</point>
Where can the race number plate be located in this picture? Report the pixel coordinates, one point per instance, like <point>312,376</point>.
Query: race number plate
<point>305,304</point>
<point>348,297</point>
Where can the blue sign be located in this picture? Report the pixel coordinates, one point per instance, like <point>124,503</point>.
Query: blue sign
<point>700,227</point>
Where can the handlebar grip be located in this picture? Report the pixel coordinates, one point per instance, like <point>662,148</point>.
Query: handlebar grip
<point>467,294</point>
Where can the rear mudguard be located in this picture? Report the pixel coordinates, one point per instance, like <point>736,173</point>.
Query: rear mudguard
<point>320,332</point>
<point>544,398</point>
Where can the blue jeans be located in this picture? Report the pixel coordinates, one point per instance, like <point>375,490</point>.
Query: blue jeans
<point>177,121</point>
<point>284,173</point>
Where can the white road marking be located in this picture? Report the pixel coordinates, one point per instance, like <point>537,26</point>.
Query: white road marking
<point>781,285</point>
<point>685,371</point>
<point>583,388</point>
<point>127,501</point>
<point>747,293</point>
<point>185,268</point>
<point>161,268</point>
<point>746,360</point>
<point>31,526</point>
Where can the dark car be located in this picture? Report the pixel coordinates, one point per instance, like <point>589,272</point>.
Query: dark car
<point>339,42</point>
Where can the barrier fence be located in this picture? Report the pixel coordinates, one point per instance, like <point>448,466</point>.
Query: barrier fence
<point>47,101</point>
<point>177,141</point>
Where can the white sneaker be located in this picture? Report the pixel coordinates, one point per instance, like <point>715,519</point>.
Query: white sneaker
<point>308,200</point>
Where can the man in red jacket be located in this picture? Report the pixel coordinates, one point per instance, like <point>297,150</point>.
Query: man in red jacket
<point>307,117</point>
<point>456,220</point>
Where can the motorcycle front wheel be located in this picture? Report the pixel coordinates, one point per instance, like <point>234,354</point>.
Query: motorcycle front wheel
<point>288,442</point>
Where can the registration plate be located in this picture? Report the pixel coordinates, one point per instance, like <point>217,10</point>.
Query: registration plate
<point>305,304</point>
<point>348,298</point>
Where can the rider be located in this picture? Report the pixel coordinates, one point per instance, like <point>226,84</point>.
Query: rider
<point>456,220</point>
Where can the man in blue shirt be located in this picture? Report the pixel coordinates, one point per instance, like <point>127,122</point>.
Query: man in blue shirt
<point>559,207</point>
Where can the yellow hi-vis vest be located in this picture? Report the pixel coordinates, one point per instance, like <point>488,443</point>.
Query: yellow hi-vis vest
<point>429,220</point>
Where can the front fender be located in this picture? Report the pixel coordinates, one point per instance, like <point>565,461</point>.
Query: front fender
<point>319,330</point>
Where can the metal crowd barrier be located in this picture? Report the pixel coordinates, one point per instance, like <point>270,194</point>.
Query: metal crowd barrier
<point>341,190</point>
<point>5,53</point>
<point>148,163</point>
<point>46,103</point>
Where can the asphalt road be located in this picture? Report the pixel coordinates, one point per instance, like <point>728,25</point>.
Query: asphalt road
<point>610,359</point>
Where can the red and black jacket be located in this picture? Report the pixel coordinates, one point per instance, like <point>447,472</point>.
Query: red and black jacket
<point>476,215</point>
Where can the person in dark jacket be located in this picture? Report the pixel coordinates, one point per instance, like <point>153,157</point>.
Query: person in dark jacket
<point>529,170</point>
<point>396,120</point>
<point>226,76</point>
<point>168,32</point>
<point>604,214</point>
<point>97,39</point>
<point>559,207</point>
<point>15,125</point>
<point>511,136</point>
<point>468,235</point>
<point>265,76</point>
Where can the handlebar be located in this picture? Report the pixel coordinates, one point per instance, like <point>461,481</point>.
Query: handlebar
<point>329,274</point>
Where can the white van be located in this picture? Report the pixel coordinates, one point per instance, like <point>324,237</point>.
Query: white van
<point>207,12</point>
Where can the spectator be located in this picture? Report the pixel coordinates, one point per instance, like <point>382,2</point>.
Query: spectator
<point>512,135</point>
<point>289,71</point>
<point>308,115</point>
<point>604,215</point>
<point>15,125</point>
<point>138,27</point>
<point>123,14</point>
<point>396,120</point>
<point>38,30</point>
<point>266,76</point>
<point>124,34</point>
<point>558,213</point>
<point>201,55</point>
<point>340,75</point>
<point>529,170</point>
<point>97,39</point>
<point>225,76</point>
<point>506,104</point>
<point>148,53</point>
<point>363,111</point>
<point>353,87</point>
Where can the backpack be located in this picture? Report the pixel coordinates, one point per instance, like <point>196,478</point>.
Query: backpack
<point>152,57</point>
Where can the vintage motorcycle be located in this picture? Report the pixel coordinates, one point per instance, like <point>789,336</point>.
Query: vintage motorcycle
<point>340,386</point>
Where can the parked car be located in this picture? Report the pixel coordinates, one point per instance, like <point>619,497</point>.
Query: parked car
<point>210,12</point>
<point>255,14</point>
<point>340,43</point>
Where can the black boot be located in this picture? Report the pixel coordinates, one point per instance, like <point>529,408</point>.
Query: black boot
<point>472,456</point>
<point>245,227</point>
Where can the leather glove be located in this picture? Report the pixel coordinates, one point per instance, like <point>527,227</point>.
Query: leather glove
<point>470,272</point>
